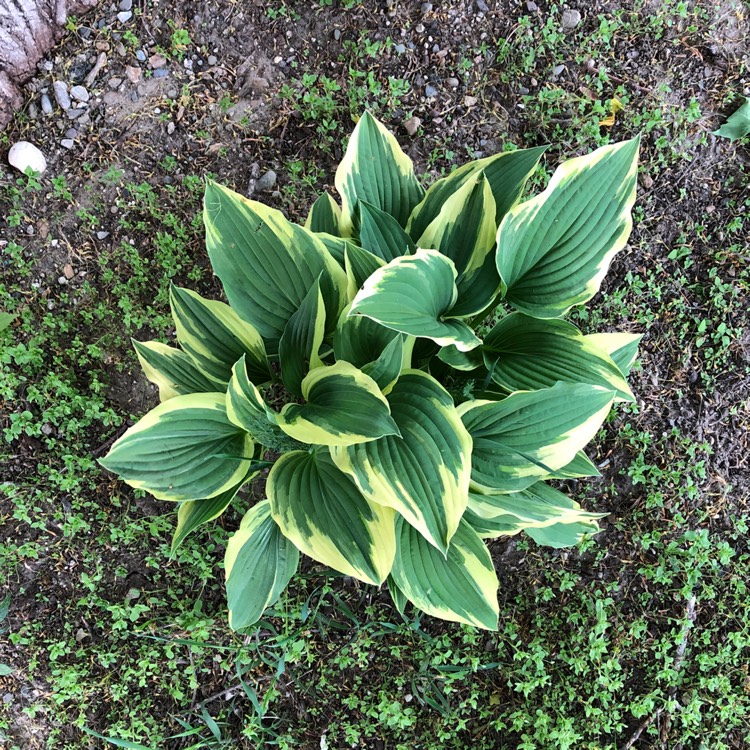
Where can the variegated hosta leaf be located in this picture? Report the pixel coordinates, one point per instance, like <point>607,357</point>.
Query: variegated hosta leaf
<point>382,235</point>
<point>336,246</point>
<point>172,370</point>
<point>324,216</point>
<point>343,407</point>
<point>538,505</point>
<point>413,294</point>
<point>458,360</point>
<point>554,250</point>
<point>376,170</point>
<point>464,231</point>
<point>424,473</point>
<point>216,337</point>
<point>386,369</point>
<point>525,354</point>
<point>321,510</point>
<point>491,528</point>
<point>194,513</point>
<point>399,600</point>
<point>506,174</point>
<point>561,535</point>
<point>622,347</point>
<point>360,264</point>
<point>267,264</point>
<point>258,564</point>
<point>300,344</point>
<point>184,449</point>
<point>460,587</point>
<point>530,434</point>
<point>580,466</point>
<point>247,409</point>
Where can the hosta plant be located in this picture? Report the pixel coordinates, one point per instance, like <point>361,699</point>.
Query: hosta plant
<point>402,366</point>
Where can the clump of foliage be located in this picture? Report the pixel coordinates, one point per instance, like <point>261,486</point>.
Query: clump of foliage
<point>349,361</point>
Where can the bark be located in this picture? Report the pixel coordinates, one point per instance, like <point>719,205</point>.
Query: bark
<point>28,29</point>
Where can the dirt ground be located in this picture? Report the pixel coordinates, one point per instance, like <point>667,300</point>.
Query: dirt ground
<point>261,95</point>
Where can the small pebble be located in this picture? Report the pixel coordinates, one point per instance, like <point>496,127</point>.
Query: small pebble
<point>161,73</point>
<point>157,61</point>
<point>266,181</point>
<point>62,280</point>
<point>33,110</point>
<point>337,34</point>
<point>531,6</point>
<point>170,128</point>
<point>24,155</point>
<point>126,5</point>
<point>68,271</point>
<point>71,133</point>
<point>557,70</point>
<point>452,82</point>
<point>114,83</point>
<point>212,59</point>
<point>570,19</point>
<point>482,7</point>
<point>133,73</point>
<point>102,235</point>
<point>68,143</point>
<point>72,114</point>
<point>124,16</point>
<point>430,91</point>
<point>46,105</point>
<point>399,48</point>
<point>426,8</point>
<point>60,90</point>
<point>470,101</point>
<point>411,126</point>
<point>140,55</point>
<point>80,93</point>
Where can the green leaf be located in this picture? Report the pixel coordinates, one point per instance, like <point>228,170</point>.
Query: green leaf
<point>737,125</point>
<point>554,250</point>
<point>4,607</point>
<point>491,528</point>
<point>324,216</point>
<point>376,170</point>
<point>580,466</point>
<point>424,473</point>
<point>267,264</point>
<point>300,344</point>
<point>622,347</point>
<point>562,535</point>
<point>116,741</point>
<point>258,565</point>
<point>343,407</point>
<point>461,587</point>
<point>524,437</point>
<point>5,320</point>
<point>216,337</point>
<point>386,369</point>
<point>506,174</point>
<point>173,371</point>
<point>194,513</point>
<point>464,231</point>
<point>525,354</point>
<point>458,360</point>
<point>247,409</point>
<point>539,505</point>
<point>5,670</point>
<point>324,514</point>
<point>413,294</point>
<point>399,600</point>
<point>336,246</point>
<point>178,450</point>
<point>382,235</point>
<point>360,264</point>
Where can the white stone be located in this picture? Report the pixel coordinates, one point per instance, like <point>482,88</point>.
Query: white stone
<point>24,155</point>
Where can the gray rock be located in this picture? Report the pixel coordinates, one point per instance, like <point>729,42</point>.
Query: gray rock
<point>452,82</point>
<point>558,69</point>
<point>531,6</point>
<point>71,133</point>
<point>426,7</point>
<point>399,48</point>
<point>212,59</point>
<point>102,235</point>
<point>125,5</point>
<point>33,110</point>
<point>72,114</point>
<point>570,19</point>
<point>161,73</point>
<point>80,93</point>
<point>430,91</point>
<point>337,34</point>
<point>24,155</point>
<point>411,126</point>
<point>266,182</point>
<point>140,55</point>
<point>60,90</point>
<point>46,105</point>
<point>482,7</point>
<point>124,16</point>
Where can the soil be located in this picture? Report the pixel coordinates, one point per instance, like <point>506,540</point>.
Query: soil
<point>221,109</point>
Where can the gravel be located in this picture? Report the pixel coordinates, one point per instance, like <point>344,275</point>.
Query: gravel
<point>60,91</point>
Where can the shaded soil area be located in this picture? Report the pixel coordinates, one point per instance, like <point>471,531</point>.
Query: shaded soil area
<point>262,96</point>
